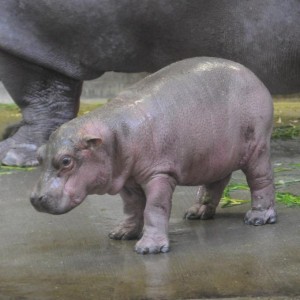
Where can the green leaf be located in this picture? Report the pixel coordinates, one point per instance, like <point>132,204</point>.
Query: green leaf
<point>285,198</point>
<point>6,170</point>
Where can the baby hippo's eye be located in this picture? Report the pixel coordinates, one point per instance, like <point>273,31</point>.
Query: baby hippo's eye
<point>66,161</point>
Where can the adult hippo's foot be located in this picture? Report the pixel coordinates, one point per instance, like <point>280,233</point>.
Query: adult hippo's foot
<point>46,98</point>
<point>20,149</point>
<point>18,154</point>
<point>37,125</point>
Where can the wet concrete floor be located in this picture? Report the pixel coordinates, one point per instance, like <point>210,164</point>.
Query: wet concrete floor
<point>70,256</point>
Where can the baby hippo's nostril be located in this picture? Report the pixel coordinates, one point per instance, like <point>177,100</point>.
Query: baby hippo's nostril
<point>36,200</point>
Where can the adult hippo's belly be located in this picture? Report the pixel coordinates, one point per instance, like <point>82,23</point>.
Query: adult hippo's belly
<point>48,48</point>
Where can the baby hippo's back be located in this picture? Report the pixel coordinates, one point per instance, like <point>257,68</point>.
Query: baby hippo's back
<point>198,119</point>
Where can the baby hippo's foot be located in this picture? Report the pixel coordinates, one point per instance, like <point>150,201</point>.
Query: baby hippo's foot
<point>200,211</point>
<point>18,154</point>
<point>260,217</point>
<point>152,244</point>
<point>127,230</point>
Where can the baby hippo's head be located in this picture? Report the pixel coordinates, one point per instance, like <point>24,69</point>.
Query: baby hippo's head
<point>74,164</point>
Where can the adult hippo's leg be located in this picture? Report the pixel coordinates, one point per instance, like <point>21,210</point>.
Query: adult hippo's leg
<point>208,197</point>
<point>46,98</point>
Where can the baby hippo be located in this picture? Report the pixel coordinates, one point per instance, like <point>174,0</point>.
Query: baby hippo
<point>191,123</point>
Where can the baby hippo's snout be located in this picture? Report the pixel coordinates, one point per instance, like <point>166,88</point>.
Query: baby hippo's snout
<point>50,201</point>
<point>50,204</point>
<point>39,202</point>
<point>49,198</point>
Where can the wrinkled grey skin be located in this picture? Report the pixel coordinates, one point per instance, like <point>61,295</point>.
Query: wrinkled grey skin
<point>191,123</point>
<point>47,48</point>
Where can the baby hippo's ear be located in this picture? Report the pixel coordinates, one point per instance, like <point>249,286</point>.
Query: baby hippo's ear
<point>90,141</point>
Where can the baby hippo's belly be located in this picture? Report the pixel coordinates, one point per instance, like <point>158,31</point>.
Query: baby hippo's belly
<point>214,165</point>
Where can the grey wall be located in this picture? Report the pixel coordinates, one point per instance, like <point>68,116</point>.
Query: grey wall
<point>104,87</point>
<point>4,97</point>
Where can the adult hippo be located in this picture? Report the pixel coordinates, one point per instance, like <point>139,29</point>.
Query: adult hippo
<point>49,47</point>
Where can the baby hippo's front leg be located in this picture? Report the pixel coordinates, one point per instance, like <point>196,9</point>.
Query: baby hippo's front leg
<point>159,191</point>
<point>134,201</point>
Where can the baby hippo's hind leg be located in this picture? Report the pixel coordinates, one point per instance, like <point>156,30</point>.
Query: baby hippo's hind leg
<point>134,201</point>
<point>208,197</point>
<point>260,180</point>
